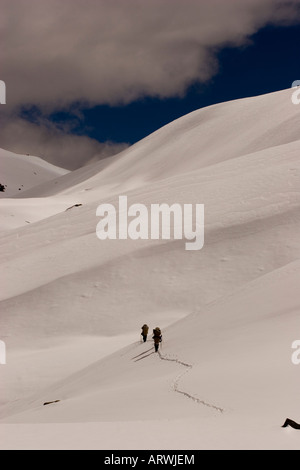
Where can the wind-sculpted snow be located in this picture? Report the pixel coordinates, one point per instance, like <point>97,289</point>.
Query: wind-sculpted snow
<point>72,305</point>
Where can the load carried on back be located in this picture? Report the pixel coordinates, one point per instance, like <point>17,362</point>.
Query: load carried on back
<point>145,330</point>
<point>157,337</point>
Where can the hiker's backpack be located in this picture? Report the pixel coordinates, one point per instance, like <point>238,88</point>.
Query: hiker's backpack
<point>145,329</point>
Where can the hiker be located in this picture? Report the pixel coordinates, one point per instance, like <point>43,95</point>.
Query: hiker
<point>145,330</point>
<point>157,337</point>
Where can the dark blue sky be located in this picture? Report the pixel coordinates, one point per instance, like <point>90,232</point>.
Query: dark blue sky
<point>269,63</point>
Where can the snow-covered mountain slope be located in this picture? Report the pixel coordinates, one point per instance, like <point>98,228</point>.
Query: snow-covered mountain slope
<point>224,376</point>
<point>201,139</point>
<point>205,137</point>
<point>229,312</point>
<point>253,200</point>
<point>20,173</point>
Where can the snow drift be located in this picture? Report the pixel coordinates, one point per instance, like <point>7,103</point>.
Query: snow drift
<point>229,313</point>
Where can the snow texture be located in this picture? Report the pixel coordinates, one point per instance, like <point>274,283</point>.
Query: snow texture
<point>72,306</point>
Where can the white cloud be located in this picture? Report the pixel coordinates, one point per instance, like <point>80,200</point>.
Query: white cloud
<point>53,145</point>
<point>115,51</point>
<point>57,53</point>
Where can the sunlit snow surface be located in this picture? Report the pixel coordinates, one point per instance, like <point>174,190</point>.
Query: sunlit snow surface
<point>72,306</point>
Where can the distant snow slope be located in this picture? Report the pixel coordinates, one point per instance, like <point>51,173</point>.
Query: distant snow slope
<point>229,312</point>
<point>205,137</point>
<point>22,172</point>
